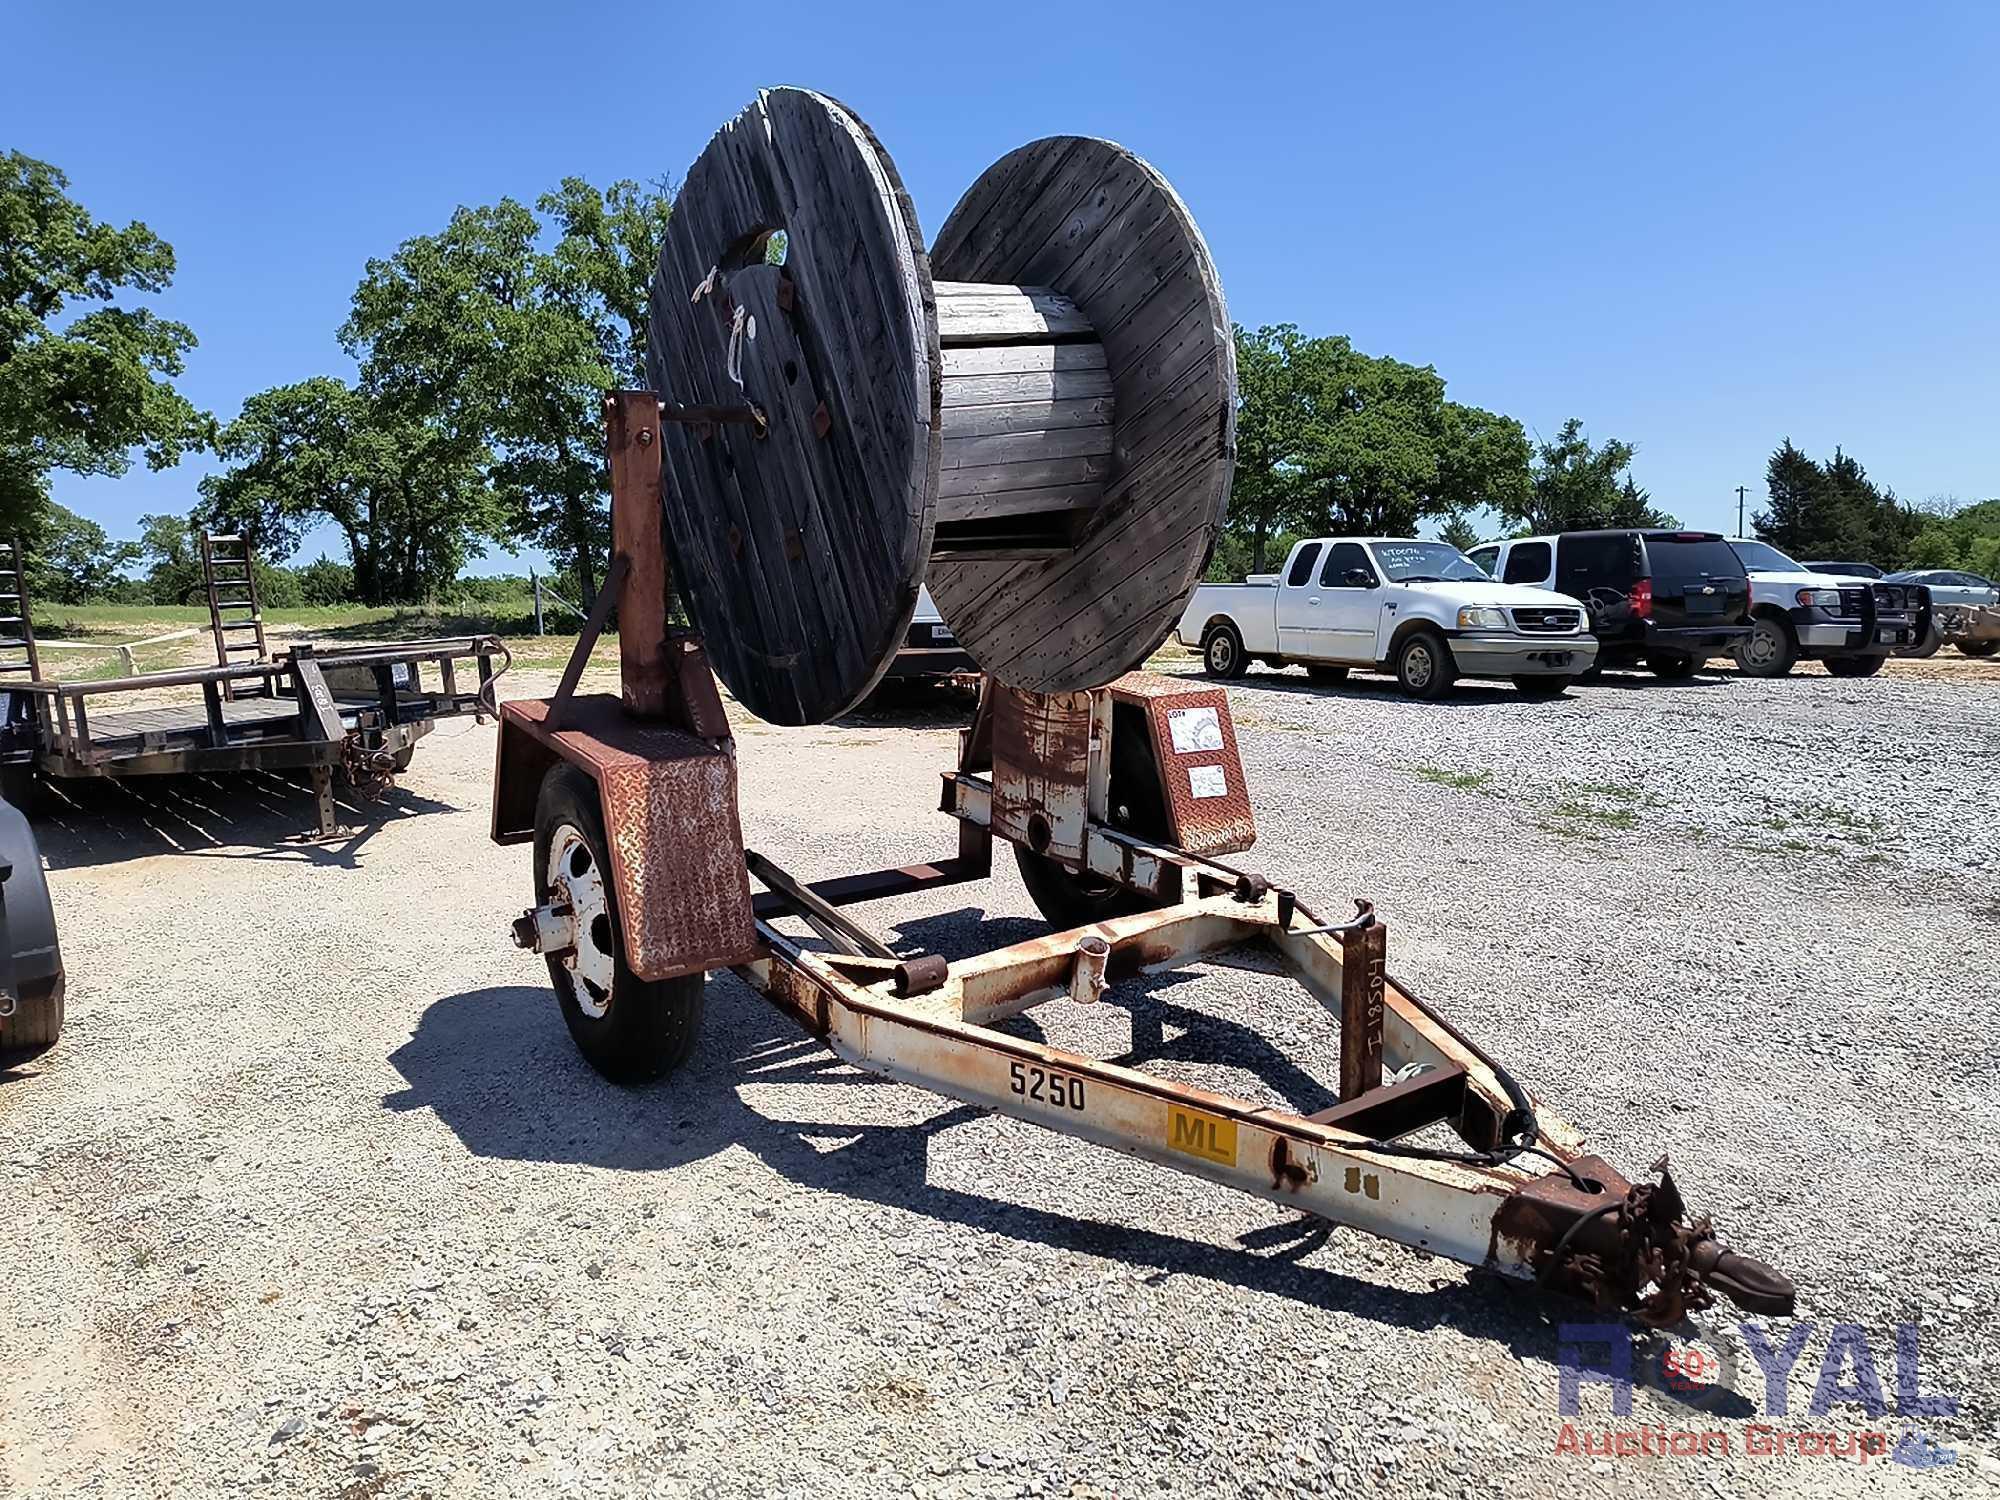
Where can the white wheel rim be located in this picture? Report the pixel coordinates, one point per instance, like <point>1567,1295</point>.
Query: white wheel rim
<point>1418,665</point>
<point>1222,652</point>
<point>575,879</point>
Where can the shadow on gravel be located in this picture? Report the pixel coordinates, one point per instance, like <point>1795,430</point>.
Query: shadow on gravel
<point>497,1068</point>
<point>255,815</point>
<point>918,702</point>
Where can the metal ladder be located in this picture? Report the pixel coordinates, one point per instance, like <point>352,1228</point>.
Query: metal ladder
<point>234,614</point>
<point>18,657</point>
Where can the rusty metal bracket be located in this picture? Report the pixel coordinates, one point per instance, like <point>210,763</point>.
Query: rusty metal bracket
<point>600,611</point>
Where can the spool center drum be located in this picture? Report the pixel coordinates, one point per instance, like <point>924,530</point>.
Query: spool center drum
<point>1046,433</point>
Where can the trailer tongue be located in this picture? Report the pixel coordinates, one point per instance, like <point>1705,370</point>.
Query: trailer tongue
<point>1120,790</point>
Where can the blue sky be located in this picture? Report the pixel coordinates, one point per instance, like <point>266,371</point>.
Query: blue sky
<point>1702,230</point>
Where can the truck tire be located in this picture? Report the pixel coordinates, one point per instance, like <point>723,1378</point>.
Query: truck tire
<point>1222,652</point>
<point>1979,648</point>
<point>1424,666</point>
<point>1769,650</point>
<point>1320,671</point>
<point>629,1029</point>
<point>1672,666</point>
<point>1542,687</point>
<point>1854,666</point>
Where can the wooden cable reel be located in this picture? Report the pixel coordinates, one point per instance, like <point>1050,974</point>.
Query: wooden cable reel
<point>1046,434</point>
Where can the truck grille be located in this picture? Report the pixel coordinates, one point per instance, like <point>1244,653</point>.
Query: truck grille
<point>1548,621</point>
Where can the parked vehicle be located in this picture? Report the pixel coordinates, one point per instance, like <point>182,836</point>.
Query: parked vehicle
<point>1669,599</point>
<point>1850,624</point>
<point>930,649</point>
<point>1950,586</point>
<point>1422,610</point>
<point>1844,569</point>
<point>1962,611</point>
<point>32,979</point>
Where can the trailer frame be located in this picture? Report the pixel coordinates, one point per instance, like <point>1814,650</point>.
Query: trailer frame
<point>1510,1188</point>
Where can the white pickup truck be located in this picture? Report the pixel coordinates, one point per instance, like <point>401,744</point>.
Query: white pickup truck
<point>1422,610</point>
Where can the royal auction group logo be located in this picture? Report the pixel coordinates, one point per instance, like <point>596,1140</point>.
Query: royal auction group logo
<point>1702,1376</point>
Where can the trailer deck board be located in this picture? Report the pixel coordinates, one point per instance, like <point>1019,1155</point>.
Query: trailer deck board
<point>175,721</point>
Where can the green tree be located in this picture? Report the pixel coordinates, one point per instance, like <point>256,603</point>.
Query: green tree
<point>75,561</point>
<point>408,495</point>
<point>1460,533</point>
<point>1576,485</point>
<point>80,390</point>
<point>172,557</point>
<point>1330,439</point>
<point>324,581</point>
<point>1835,510</point>
<point>505,347</point>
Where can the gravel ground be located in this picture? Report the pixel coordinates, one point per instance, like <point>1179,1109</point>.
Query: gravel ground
<point>316,1197</point>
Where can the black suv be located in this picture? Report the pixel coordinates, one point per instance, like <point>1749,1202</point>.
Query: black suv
<point>1670,599</point>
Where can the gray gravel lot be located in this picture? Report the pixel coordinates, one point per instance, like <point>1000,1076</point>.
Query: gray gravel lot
<point>316,1197</point>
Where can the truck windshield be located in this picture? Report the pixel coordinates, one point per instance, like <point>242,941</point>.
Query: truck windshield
<point>1765,558</point>
<point>1427,562</point>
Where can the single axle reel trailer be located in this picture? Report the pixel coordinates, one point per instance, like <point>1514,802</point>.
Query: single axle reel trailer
<point>358,711</point>
<point>789,473</point>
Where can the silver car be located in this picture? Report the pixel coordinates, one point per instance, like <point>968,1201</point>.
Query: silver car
<point>1950,586</point>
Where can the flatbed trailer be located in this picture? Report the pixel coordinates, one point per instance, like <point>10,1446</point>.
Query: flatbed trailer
<point>358,710</point>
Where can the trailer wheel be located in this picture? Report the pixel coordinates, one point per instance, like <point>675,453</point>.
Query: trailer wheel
<point>1854,666</point>
<point>630,1029</point>
<point>1672,666</point>
<point>1069,899</point>
<point>1979,648</point>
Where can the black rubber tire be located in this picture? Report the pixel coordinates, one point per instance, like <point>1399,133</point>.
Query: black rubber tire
<point>1978,648</point>
<point>1071,900</point>
<point>1927,647</point>
<point>1320,671</point>
<point>33,1029</point>
<point>1672,666</point>
<point>1854,666</point>
<point>1781,648</point>
<point>1429,682</point>
<point>1543,687</point>
<point>1222,652</point>
<point>649,1026</point>
<point>1592,673</point>
<point>403,758</point>
<point>21,786</point>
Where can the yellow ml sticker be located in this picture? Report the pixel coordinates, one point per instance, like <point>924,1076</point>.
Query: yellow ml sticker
<point>1210,1137</point>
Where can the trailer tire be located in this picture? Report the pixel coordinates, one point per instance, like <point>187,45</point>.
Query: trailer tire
<point>631,1030</point>
<point>1853,666</point>
<point>1979,648</point>
<point>1069,899</point>
<point>35,1026</point>
<point>20,786</point>
<point>1672,666</point>
<point>1222,652</point>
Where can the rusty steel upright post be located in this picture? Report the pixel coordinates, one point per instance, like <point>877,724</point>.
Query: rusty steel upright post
<point>638,533</point>
<point>1364,963</point>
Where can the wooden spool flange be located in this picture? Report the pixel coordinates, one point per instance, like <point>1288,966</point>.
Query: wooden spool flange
<point>1048,432</point>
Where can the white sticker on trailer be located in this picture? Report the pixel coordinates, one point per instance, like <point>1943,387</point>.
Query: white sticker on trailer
<point>1208,781</point>
<point>1194,729</point>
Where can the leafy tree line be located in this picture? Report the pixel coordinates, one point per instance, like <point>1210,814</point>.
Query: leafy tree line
<point>1330,439</point>
<point>1832,510</point>
<point>482,352</point>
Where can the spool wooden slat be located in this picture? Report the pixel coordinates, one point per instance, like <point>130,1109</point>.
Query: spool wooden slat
<point>1097,224</point>
<point>800,551</point>
<point>1049,429</point>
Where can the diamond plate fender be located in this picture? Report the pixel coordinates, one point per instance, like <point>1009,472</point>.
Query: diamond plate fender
<point>1194,745</point>
<point>670,816</point>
